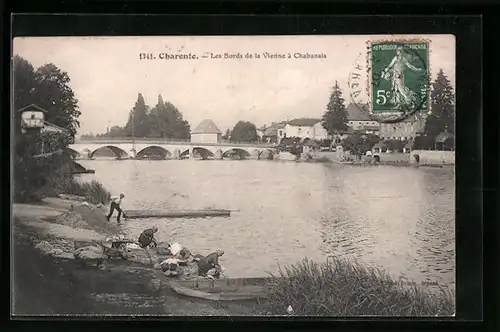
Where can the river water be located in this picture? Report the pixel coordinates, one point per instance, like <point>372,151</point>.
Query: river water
<point>396,218</point>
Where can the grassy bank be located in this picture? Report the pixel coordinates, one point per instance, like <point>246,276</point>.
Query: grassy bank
<point>340,287</point>
<point>93,191</point>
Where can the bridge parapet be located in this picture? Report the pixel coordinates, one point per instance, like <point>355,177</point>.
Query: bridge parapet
<point>154,141</point>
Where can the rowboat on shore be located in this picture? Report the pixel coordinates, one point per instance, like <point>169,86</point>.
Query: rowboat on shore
<point>139,214</point>
<point>231,289</point>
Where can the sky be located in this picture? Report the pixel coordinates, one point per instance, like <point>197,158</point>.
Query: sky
<point>107,74</point>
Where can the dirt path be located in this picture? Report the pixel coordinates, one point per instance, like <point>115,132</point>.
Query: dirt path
<point>48,285</point>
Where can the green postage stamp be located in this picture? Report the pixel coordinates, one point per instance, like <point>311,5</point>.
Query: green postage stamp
<point>399,77</point>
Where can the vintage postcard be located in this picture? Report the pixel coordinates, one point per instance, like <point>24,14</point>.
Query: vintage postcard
<point>234,175</point>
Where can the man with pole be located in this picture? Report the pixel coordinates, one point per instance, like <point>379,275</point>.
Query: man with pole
<point>116,205</point>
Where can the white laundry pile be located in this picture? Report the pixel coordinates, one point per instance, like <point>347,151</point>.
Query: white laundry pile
<point>175,249</point>
<point>132,246</point>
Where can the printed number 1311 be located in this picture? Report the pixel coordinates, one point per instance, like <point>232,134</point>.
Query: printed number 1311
<point>382,96</point>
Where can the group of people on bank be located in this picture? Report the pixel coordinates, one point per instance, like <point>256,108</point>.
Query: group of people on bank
<point>176,255</point>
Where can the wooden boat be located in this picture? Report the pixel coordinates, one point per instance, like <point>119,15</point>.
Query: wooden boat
<point>236,289</point>
<point>138,214</point>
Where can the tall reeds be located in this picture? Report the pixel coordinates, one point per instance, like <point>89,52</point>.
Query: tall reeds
<point>342,287</point>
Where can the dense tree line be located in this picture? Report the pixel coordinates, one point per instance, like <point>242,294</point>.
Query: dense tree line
<point>46,87</point>
<point>442,117</point>
<point>164,120</point>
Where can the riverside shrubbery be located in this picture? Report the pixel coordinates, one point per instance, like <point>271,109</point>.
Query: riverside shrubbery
<point>341,287</point>
<point>93,191</point>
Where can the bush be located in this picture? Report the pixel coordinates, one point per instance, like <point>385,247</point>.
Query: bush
<point>93,191</point>
<point>395,145</point>
<point>342,288</point>
<point>33,178</point>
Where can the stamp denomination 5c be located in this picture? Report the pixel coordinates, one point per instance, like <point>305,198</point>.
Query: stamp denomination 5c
<point>399,77</point>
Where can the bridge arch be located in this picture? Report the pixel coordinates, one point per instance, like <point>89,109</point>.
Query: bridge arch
<point>164,153</point>
<point>203,152</point>
<point>270,153</point>
<point>241,152</point>
<point>119,153</point>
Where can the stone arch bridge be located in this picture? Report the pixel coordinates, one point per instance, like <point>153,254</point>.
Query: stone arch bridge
<point>125,149</point>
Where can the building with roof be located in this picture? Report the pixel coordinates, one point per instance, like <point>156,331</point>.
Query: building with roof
<point>53,128</point>
<point>404,130</point>
<point>359,119</point>
<point>206,132</point>
<point>311,128</point>
<point>444,141</point>
<point>275,133</point>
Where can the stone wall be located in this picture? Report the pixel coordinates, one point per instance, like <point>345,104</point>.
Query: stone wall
<point>432,157</point>
<point>395,157</point>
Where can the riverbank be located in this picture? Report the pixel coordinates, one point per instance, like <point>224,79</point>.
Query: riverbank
<point>48,282</point>
<point>434,159</point>
<point>52,284</point>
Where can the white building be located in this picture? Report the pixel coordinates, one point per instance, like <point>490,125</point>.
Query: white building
<point>306,128</point>
<point>206,132</point>
<point>260,133</point>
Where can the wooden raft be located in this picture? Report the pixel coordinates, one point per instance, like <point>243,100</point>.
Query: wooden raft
<point>236,289</point>
<point>138,214</point>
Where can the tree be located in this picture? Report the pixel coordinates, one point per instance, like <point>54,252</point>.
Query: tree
<point>395,145</point>
<point>335,117</point>
<point>244,131</point>
<point>442,117</point>
<point>47,87</point>
<point>159,120</point>
<point>138,121</point>
<point>166,121</point>
<point>359,144</point>
<point>180,128</point>
<point>115,131</point>
<point>423,142</point>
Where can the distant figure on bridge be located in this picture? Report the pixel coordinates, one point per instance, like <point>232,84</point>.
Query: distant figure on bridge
<point>116,205</point>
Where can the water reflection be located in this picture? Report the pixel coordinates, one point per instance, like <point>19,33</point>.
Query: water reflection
<point>434,235</point>
<point>399,219</point>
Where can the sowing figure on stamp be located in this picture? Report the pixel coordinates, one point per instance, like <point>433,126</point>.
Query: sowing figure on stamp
<point>394,72</point>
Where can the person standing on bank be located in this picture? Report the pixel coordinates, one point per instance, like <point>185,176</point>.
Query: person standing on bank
<point>116,205</point>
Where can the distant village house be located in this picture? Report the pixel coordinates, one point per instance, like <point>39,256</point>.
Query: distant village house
<point>274,134</point>
<point>303,128</point>
<point>404,130</point>
<point>359,120</point>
